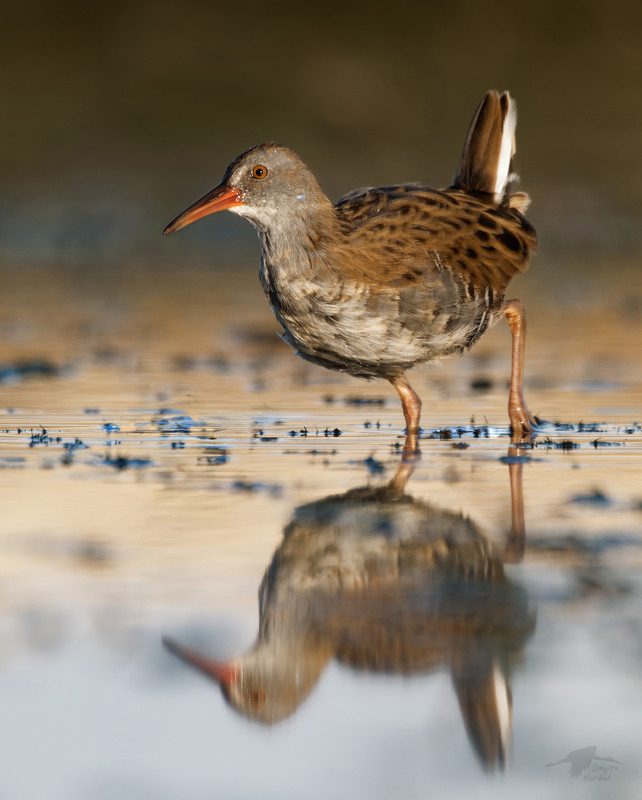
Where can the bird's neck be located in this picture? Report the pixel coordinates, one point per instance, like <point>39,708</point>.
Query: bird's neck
<point>293,226</point>
<point>296,257</point>
<point>298,237</point>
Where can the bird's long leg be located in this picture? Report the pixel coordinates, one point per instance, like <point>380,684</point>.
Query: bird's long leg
<point>411,406</point>
<point>522,422</point>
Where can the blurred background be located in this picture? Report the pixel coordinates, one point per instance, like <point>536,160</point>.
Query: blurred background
<point>116,115</point>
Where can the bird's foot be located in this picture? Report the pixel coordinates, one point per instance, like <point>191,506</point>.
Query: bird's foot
<point>523,425</point>
<point>411,406</point>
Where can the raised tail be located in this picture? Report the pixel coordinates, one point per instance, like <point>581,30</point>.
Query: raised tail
<point>487,161</point>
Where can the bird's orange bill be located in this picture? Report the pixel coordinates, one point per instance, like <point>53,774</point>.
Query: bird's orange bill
<point>224,673</point>
<point>217,200</point>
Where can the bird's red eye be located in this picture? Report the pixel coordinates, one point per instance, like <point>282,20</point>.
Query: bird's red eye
<point>259,172</point>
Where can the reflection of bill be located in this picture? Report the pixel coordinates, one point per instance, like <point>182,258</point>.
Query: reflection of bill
<point>383,582</point>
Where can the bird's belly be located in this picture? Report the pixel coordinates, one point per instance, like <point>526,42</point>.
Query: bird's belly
<point>354,342</point>
<point>370,334</point>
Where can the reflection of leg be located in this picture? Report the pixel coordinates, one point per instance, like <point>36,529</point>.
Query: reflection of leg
<point>403,473</point>
<point>516,543</point>
<point>522,423</point>
<point>411,406</point>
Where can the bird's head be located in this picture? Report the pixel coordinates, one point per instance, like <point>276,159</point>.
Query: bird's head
<point>265,685</point>
<point>266,183</point>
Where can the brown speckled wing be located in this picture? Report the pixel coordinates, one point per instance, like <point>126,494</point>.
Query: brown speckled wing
<point>412,231</point>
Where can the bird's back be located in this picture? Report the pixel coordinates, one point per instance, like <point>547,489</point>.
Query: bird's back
<point>410,231</point>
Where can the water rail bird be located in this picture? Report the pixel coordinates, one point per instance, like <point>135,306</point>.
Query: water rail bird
<point>390,277</point>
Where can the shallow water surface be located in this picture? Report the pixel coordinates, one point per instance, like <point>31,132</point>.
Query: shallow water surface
<point>185,504</point>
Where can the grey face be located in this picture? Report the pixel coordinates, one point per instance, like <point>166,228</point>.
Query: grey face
<point>269,185</point>
<point>272,182</point>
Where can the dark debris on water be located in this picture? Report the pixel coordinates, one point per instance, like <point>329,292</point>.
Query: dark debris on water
<point>365,401</point>
<point>589,427</point>
<point>180,423</point>
<point>481,384</point>
<point>374,466</point>
<point>563,426</point>
<point>121,463</point>
<point>310,452</point>
<point>77,444</point>
<point>327,432</point>
<point>12,462</point>
<point>578,427</point>
<point>551,444</point>
<point>42,437</point>
<point>214,456</point>
<point>594,498</point>
<point>356,400</point>
<point>31,368</point>
<point>263,437</point>
<point>446,434</point>
<point>190,363</point>
<point>251,487</point>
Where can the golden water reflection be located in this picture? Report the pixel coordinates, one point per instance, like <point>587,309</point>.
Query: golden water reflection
<point>384,582</point>
<point>150,460</point>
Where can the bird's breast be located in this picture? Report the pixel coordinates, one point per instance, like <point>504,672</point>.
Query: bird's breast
<point>366,329</point>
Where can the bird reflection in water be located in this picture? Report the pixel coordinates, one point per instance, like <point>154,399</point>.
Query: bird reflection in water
<point>383,582</point>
